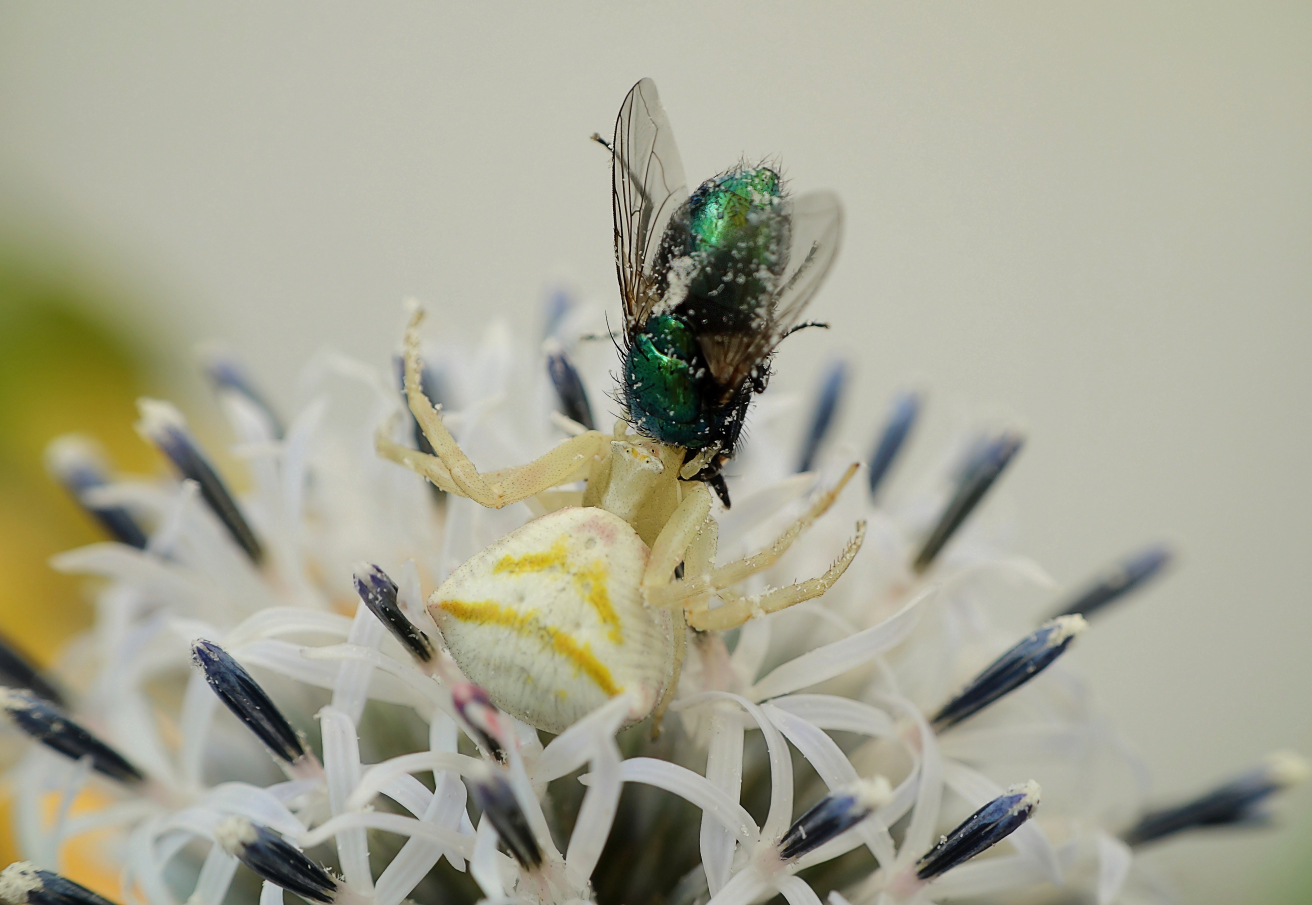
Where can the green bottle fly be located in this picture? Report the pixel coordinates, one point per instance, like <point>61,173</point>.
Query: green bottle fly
<point>711,283</point>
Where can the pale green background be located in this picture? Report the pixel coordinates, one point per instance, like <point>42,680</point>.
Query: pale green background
<point>1093,217</point>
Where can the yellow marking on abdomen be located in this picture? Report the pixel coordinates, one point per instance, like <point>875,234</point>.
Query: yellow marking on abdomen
<point>589,580</point>
<point>591,583</point>
<point>533,562</point>
<point>526,624</point>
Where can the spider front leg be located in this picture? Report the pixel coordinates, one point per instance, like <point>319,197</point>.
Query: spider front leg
<point>695,592</point>
<point>453,471</point>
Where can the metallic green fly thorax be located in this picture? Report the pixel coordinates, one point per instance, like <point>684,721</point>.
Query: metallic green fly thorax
<point>726,210</point>
<point>726,249</point>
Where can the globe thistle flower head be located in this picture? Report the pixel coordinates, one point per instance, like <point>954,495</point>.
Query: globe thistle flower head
<point>354,745</point>
<point>391,662</point>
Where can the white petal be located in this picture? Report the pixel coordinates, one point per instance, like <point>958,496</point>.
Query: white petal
<point>341,765</point>
<point>577,744</point>
<point>1114,859</point>
<point>835,770</point>
<point>987,876</point>
<point>920,834</point>
<point>695,788</point>
<point>379,776</point>
<point>724,768</point>
<point>796,891</point>
<point>839,714</point>
<point>390,823</point>
<point>270,894</point>
<point>743,888</point>
<point>352,687</point>
<point>596,814</point>
<point>837,657</point>
<point>199,704</point>
<point>215,876</point>
<point>413,862</point>
<point>409,793</point>
<point>484,864</point>
<point>277,621</point>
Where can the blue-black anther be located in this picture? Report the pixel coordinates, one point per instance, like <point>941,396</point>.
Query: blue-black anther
<point>23,883</point>
<point>981,830</point>
<point>1239,802</point>
<point>984,469</point>
<point>569,386</point>
<point>494,796</point>
<point>227,375</point>
<point>901,419</point>
<point>275,859</point>
<point>1033,654</point>
<point>47,724</point>
<point>75,464</point>
<point>832,387</point>
<point>1126,576</point>
<point>17,671</point>
<point>378,592</point>
<point>836,813</point>
<point>975,453</point>
<point>164,426</point>
<point>241,694</point>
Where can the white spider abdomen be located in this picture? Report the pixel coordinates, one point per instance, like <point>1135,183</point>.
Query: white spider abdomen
<point>550,621</point>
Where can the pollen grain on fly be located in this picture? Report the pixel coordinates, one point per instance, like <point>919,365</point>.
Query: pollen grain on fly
<point>527,624</point>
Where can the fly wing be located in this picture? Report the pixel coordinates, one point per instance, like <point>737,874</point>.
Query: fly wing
<point>815,230</point>
<point>817,220</point>
<point>647,188</point>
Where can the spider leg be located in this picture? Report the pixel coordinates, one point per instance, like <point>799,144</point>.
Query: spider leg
<point>453,471</point>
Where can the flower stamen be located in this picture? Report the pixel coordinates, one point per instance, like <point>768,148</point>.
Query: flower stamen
<point>1123,578</point>
<point>981,472</point>
<point>897,427</point>
<point>242,695</point>
<point>23,883</point>
<point>275,859</point>
<point>50,726</point>
<point>980,831</point>
<point>1029,657</point>
<point>164,426</point>
<point>1242,800</point>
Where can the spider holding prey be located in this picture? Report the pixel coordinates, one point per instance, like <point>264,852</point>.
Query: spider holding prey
<point>588,601</point>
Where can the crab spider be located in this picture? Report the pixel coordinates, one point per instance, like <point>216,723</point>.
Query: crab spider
<point>583,603</point>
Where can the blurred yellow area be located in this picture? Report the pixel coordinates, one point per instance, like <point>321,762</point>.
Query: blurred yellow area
<point>61,370</point>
